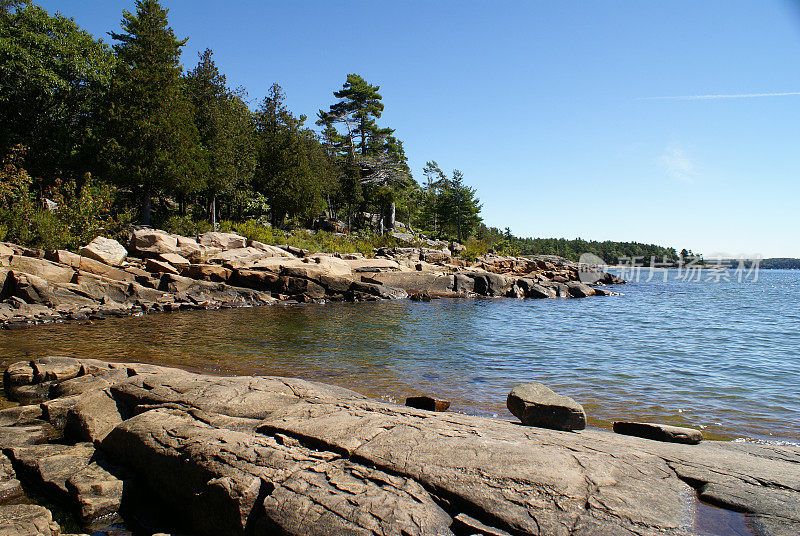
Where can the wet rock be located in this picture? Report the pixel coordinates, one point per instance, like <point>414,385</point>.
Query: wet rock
<point>27,520</point>
<point>224,241</point>
<point>579,290</point>
<point>537,405</point>
<point>415,282</point>
<point>489,284</point>
<point>534,290</point>
<point>428,403</point>
<point>105,250</point>
<point>659,432</point>
<point>380,291</point>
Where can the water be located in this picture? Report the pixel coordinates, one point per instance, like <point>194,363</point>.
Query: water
<point>723,356</point>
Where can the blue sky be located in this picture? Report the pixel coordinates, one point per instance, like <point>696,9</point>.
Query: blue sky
<point>550,109</point>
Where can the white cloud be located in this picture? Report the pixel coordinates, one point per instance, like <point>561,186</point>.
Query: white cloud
<point>725,96</point>
<point>677,164</point>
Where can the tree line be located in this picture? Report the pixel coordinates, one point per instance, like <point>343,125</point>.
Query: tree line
<point>185,144</point>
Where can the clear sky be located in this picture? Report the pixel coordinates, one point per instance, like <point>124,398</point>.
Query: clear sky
<point>557,112</point>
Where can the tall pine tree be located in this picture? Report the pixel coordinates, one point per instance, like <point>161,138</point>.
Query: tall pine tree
<point>154,148</point>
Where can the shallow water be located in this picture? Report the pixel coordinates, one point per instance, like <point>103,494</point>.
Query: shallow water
<point>724,356</point>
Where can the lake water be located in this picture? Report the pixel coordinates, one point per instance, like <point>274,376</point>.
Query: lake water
<point>724,355</point>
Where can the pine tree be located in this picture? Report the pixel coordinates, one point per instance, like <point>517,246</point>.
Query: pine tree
<point>155,146</point>
<point>459,208</point>
<point>226,129</point>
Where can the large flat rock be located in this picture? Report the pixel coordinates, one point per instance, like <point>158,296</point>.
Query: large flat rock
<point>268,455</point>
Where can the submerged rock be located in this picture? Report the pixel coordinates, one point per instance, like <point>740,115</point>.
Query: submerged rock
<point>537,405</point>
<point>659,432</point>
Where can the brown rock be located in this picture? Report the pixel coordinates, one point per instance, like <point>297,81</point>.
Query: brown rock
<point>537,405</point>
<point>659,432</point>
<point>160,267</point>
<point>428,403</point>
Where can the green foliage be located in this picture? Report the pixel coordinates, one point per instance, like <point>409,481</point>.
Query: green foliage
<point>82,213</point>
<point>184,225</point>
<point>226,129</point>
<point>53,76</point>
<point>293,171</point>
<point>155,147</point>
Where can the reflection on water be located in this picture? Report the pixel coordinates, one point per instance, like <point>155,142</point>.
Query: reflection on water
<point>725,356</point>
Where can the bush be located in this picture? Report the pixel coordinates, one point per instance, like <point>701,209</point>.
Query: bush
<point>184,225</point>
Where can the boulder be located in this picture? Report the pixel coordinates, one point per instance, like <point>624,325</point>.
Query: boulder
<point>489,284</point>
<point>577,289</point>
<point>659,432</point>
<point>154,241</point>
<point>537,405</point>
<point>27,520</point>
<point>534,290</point>
<point>428,403</point>
<point>255,279</point>
<point>188,248</point>
<point>105,250</point>
<point>372,265</point>
<point>224,241</point>
<point>179,262</point>
<point>161,267</point>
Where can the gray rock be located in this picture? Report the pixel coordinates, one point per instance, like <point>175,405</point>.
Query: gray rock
<point>415,282</point>
<point>537,405</point>
<point>27,520</point>
<point>10,487</point>
<point>577,289</point>
<point>106,250</point>
<point>659,432</point>
<point>224,241</point>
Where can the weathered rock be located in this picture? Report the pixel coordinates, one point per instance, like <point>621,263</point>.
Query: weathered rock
<point>224,241</point>
<point>380,291</point>
<point>372,265</point>
<point>105,250</point>
<point>273,251</point>
<point>85,264</point>
<point>489,284</point>
<point>428,403</point>
<point>577,289</point>
<point>49,271</point>
<point>283,456</point>
<point>161,267</point>
<point>10,487</point>
<point>534,290</point>
<point>659,432</point>
<point>154,241</point>
<point>27,520</point>
<point>177,261</point>
<point>207,272</point>
<point>415,282</point>
<point>255,279</point>
<point>74,474</point>
<point>537,405</point>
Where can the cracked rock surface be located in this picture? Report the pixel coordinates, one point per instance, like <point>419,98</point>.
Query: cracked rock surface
<point>275,456</point>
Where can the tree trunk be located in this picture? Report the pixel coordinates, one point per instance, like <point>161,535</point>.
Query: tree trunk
<point>214,212</point>
<point>147,208</point>
<point>391,215</point>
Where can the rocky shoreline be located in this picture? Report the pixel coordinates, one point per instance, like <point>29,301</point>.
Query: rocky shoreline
<point>169,451</point>
<point>158,271</point>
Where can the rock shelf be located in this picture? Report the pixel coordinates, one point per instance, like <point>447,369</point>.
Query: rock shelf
<point>272,456</point>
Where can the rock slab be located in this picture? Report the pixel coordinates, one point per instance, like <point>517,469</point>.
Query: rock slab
<point>428,403</point>
<point>536,404</point>
<point>659,432</point>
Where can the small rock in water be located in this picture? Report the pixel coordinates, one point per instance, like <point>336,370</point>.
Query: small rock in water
<point>659,432</point>
<point>428,403</point>
<point>537,405</point>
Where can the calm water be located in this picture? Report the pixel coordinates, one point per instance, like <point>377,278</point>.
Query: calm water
<point>724,356</point>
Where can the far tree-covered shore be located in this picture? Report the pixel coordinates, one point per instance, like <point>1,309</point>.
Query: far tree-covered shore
<point>97,136</point>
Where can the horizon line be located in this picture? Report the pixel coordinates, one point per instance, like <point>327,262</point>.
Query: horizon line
<point>723,96</point>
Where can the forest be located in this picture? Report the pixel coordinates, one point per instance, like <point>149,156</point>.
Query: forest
<point>96,137</point>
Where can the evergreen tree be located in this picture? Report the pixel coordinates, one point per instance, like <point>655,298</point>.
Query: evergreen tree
<point>226,130</point>
<point>154,147</point>
<point>459,207</point>
<point>291,175</point>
